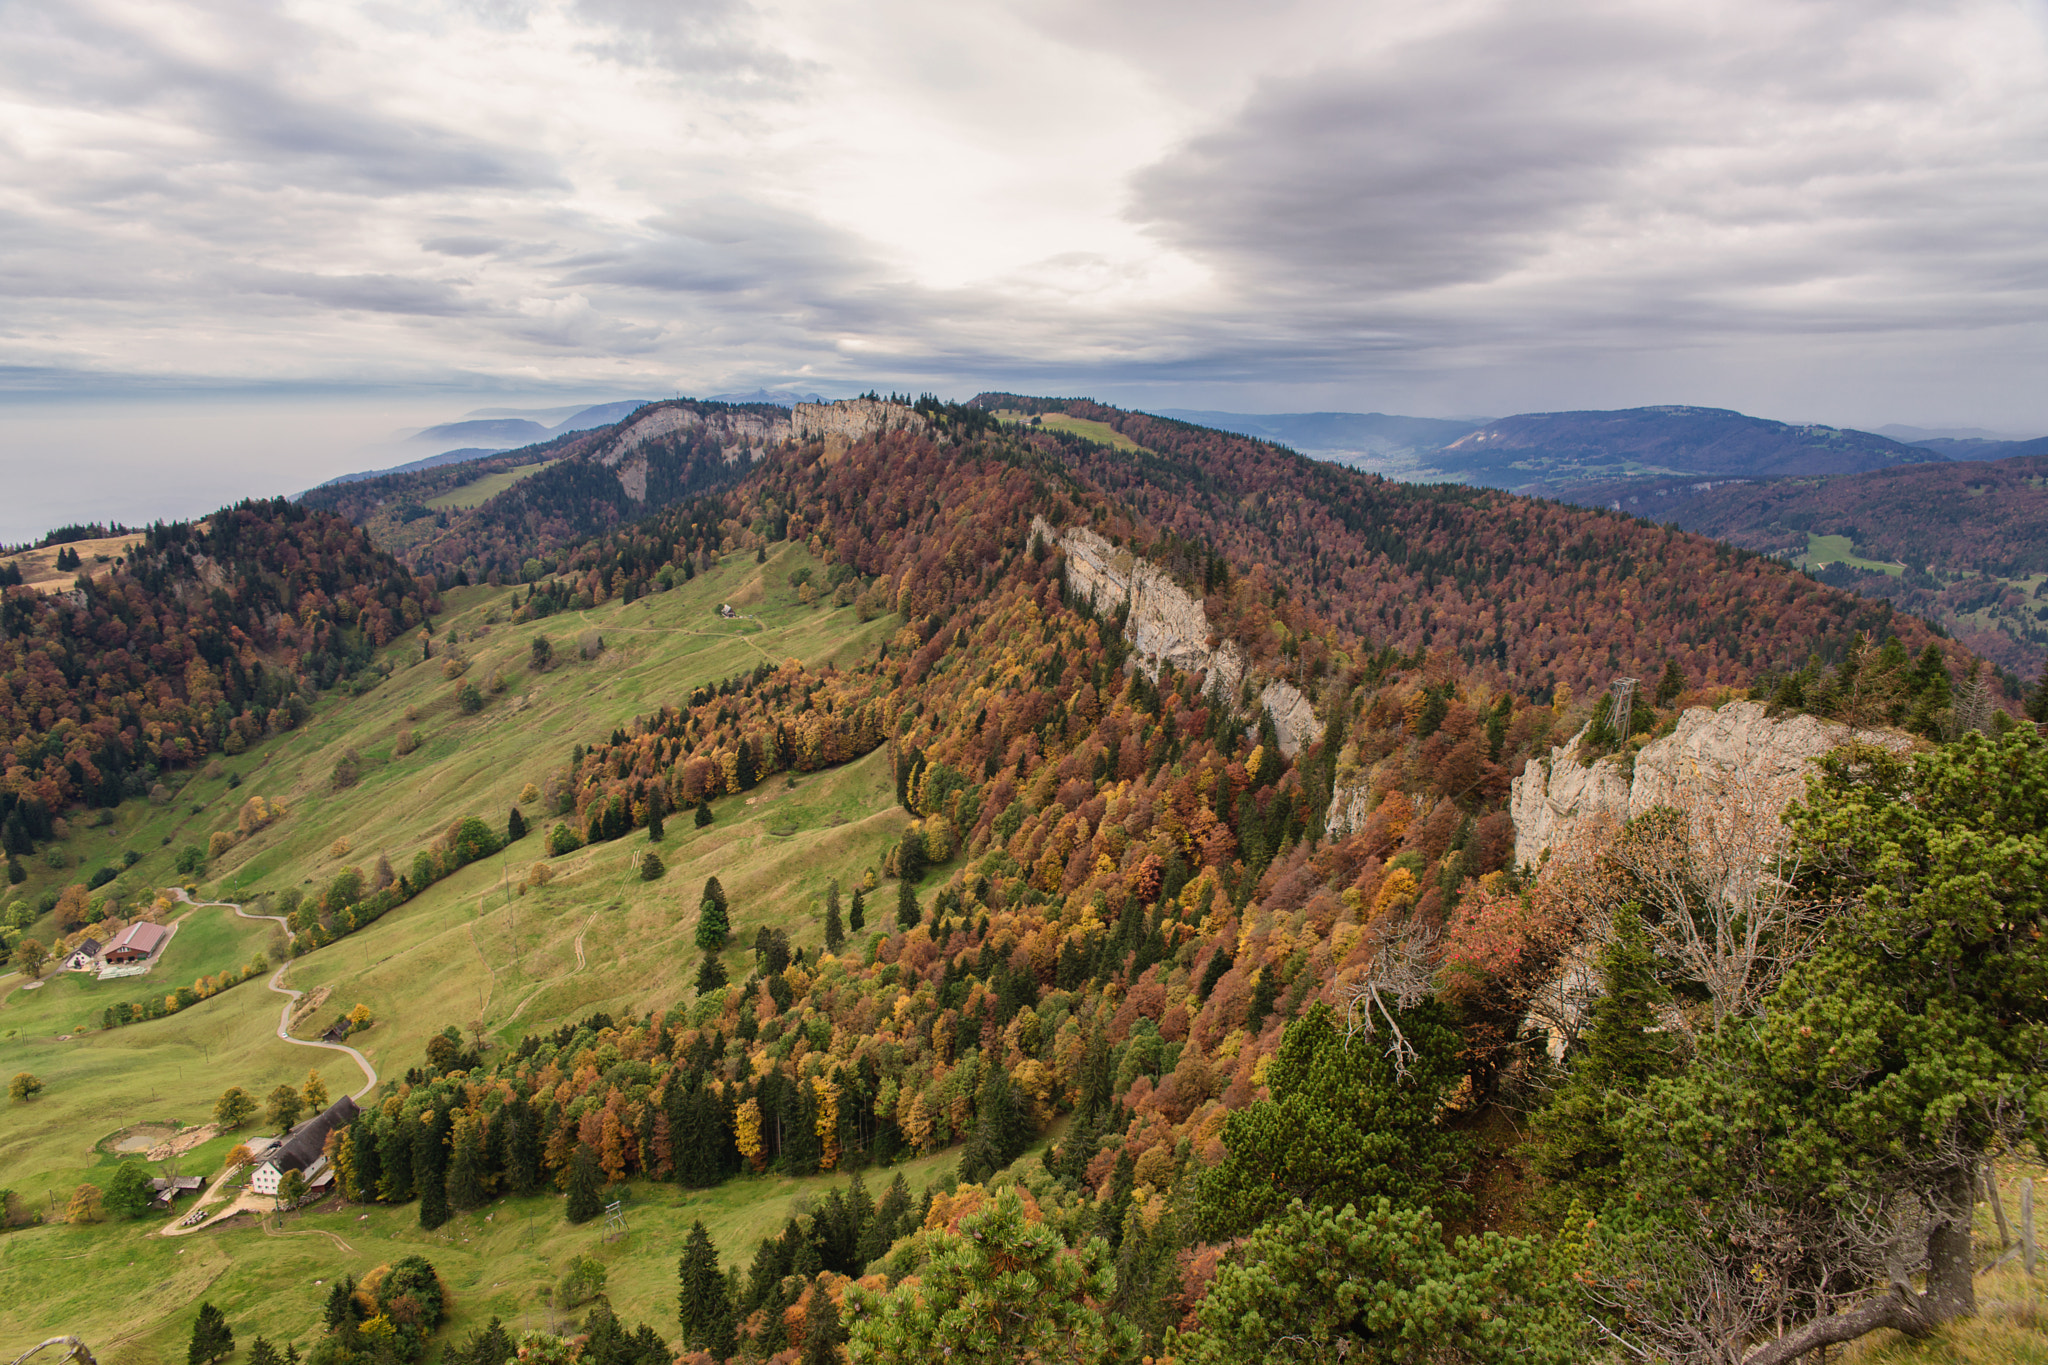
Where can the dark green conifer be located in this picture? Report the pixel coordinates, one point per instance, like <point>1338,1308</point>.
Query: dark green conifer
<point>585,1203</point>
<point>212,1338</point>
<point>1578,1145</point>
<point>710,974</point>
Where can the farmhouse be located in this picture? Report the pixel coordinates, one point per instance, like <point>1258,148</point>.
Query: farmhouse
<point>302,1150</point>
<point>85,957</point>
<point>137,943</point>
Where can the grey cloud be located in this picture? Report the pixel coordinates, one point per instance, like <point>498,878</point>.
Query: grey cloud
<point>368,293</point>
<point>464,246</point>
<point>1591,172</point>
<point>708,40</point>
<point>253,113</point>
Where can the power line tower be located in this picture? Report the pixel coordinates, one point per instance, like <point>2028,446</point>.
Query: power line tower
<point>1621,709</point>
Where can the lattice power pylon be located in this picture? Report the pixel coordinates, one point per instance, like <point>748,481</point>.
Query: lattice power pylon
<point>1622,709</point>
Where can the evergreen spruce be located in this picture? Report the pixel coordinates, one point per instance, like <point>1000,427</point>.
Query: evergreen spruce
<point>703,814</point>
<point>584,1201</point>
<point>430,1168</point>
<point>515,826</point>
<point>465,1168</point>
<point>212,1338</point>
<point>822,1330</point>
<point>1265,990</point>
<point>2037,700</point>
<point>262,1352</point>
<point>522,1146</point>
<point>835,932</point>
<point>907,911</point>
<point>857,913</point>
<point>656,808</point>
<point>1578,1145</point>
<point>713,927</point>
<point>651,866</point>
<point>711,974</point>
<point>701,1304</point>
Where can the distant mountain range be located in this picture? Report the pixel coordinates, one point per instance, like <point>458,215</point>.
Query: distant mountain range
<point>1373,440</point>
<point>494,429</point>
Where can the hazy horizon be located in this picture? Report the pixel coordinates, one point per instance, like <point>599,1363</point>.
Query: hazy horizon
<point>1825,211</point>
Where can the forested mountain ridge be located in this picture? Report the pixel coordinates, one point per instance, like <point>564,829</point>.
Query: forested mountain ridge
<point>1538,451</point>
<point>1964,543</point>
<point>1119,899</point>
<point>1530,594</point>
<point>202,640</point>
<point>593,481</point>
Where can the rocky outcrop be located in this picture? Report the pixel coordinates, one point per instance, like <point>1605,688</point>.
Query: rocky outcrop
<point>852,419</point>
<point>1738,756</point>
<point>736,431</point>
<point>1166,624</point>
<point>1349,807</point>
<point>739,434</point>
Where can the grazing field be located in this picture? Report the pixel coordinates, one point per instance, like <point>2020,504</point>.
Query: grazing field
<point>483,490</point>
<point>1824,550</point>
<point>1078,426</point>
<point>271,1282</point>
<point>39,567</point>
<point>472,951</point>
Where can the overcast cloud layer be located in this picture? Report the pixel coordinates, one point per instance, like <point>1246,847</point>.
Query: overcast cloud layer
<point>1826,210</point>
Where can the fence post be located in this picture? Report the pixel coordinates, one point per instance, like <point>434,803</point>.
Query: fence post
<point>2027,1224</point>
<point>1997,1206</point>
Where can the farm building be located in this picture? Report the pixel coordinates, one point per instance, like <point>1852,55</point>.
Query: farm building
<point>137,943</point>
<point>303,1149</point>
<point>168,1188</point>
<point>85,957</point>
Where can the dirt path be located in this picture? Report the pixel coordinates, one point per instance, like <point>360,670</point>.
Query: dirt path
<point>520,1008</point>
<point>269,1231</point>
<point>284,1019</point>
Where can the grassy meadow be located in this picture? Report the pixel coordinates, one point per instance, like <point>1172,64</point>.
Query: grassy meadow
<point>473,950</point>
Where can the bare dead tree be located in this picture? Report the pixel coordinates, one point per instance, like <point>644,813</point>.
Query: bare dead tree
<point>74,1350</point>
<point>1715,876</point>
<point>1404,973</point>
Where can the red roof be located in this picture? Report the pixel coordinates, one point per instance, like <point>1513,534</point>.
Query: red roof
<point>144,938</point>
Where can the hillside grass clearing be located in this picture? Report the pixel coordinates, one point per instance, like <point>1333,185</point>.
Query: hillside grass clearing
<point>1824,550</point>
<point>470,948</point>
<point>482,490</point>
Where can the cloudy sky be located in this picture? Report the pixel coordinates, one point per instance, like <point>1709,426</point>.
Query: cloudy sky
<point>355,214</point>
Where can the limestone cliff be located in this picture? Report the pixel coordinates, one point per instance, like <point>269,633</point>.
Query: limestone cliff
<point>739,433</point>
<point>852,419</point>
<point>1738,756</point>
<point>1167,624</point>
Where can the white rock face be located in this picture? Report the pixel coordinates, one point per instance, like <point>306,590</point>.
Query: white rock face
<point>1737,755</point>
<point>1167,624</point>
<point>737,432</point>
<point>853,419</point>
<point>1348,810</point>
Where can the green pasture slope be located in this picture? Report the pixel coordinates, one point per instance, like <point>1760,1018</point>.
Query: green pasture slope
<point>471,948</point>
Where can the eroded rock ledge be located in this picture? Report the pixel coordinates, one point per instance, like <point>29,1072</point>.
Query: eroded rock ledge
<point>1167,624</point>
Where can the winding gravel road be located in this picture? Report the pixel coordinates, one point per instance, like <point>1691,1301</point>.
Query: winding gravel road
<point>284,1019</point>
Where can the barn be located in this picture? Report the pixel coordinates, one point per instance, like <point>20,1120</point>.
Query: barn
<point>137,943</point>
<point>303,1149</point>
